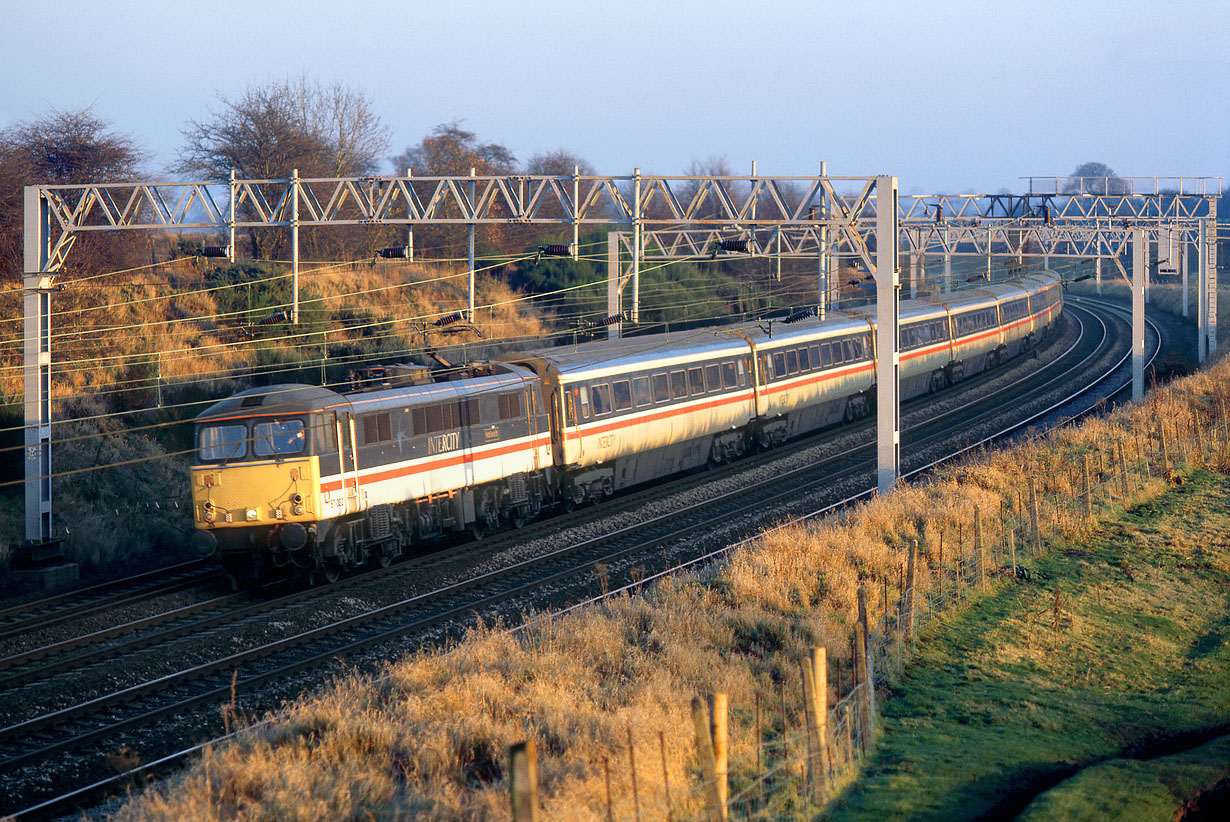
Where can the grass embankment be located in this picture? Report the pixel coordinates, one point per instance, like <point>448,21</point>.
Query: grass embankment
<point>1115,654</point>
<point>430,739</point>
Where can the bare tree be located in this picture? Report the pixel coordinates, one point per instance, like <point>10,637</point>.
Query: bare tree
<point>65,147</point>
<point>274,129</point>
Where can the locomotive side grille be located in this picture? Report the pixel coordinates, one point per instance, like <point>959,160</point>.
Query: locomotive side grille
<point>517,487</point>
<point>378,522</point>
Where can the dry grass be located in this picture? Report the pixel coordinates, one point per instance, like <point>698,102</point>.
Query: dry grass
<point>169,318</point>
<point>430,739</point>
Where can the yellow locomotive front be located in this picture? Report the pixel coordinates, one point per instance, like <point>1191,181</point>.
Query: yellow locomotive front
<point>256,490</point>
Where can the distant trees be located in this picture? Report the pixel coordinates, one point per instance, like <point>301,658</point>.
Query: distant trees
<point>1100,179</point>
<point>450,150</point>
<point>65,147</point>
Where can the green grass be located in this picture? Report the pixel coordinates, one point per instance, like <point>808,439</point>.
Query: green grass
<point>1119,646</point>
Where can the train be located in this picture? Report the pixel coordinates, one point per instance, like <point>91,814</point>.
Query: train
<point>304,480</point>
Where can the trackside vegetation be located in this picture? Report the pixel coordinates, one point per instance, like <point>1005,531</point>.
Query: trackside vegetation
<point>1089,691</point>
<point>1101,646</point>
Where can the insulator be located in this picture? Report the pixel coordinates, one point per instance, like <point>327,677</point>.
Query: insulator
<point>455,317</point>
<point>280,317</point>
<point>734,245</point>
<point>605,321</point>
<point>555,250</point>
<point>939,213</point>
<point>215,251</point>
<point>397,252</point>
<point>799,316</point>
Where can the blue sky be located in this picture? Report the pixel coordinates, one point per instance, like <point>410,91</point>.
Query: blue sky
<point>954,96</point>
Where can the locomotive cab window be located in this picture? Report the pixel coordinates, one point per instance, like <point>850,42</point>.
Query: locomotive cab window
<point>215,443</point>
<point>278,437</point>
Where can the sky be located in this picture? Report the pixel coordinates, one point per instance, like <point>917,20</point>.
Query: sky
<point>951,97</point>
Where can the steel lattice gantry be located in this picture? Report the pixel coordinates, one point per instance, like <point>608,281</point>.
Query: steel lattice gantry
<point>56,215</point>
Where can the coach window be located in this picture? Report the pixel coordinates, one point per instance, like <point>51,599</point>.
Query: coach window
<point>583,401</point>
<point>729,380</point>
<point>792,361</point>
<point>640,391</point>
<point>600,396</point>
<point>696,380</point>
<point>713,378</point>
<point>779,365</point>
<point>804,360</point>
<point>622,391</point>
<point>661,388</point>
<point>743,369</point>
<point>679,384</point>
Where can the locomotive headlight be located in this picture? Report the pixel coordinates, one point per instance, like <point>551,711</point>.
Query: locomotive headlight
<point>298,510</point>
<point>250,514</point>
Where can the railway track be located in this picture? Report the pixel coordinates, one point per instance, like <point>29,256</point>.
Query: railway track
<point>556,576</point>
<point>40,614</point>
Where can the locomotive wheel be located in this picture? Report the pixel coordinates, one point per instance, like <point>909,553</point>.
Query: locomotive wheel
<point>385,553</point>
<point>477,531</point>
<point>517,519</point>
<point>327,574</point>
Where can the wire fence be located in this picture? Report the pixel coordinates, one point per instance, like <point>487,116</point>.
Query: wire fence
<point>804,750</point>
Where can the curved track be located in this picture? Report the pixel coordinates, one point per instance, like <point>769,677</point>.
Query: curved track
<point>156,707</point>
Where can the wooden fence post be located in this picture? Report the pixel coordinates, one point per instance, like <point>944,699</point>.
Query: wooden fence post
<point>815,696</point>
<point>523,781</point>
<point>909,590</point>
<point>636,794</point>
<point>978,547</point>
<point>666,777</point>
<point>864,699</point>
<point>719,726</point>
<point>1033,517</point>
<point>1161,434</point>
<point>868,663</point>
<point>1086,494</point>
<point>1123,477</point>
<point>704,757</point>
